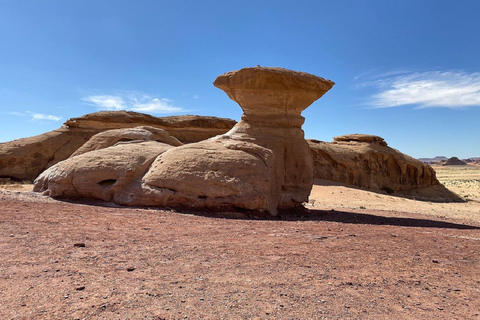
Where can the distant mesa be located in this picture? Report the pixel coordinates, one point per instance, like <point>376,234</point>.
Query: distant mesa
<point>454,161</point>
<point>442,160</point>
<point>434,160</point>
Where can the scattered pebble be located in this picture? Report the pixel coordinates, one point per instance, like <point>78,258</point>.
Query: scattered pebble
<point>80,288</point>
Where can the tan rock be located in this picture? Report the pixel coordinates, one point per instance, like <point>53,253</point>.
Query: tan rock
<point>265,156</point>
<point>366,162</point>
<point>272,100</point>
<point>110,137</point>
<point>263,163</point>
<point>187,128</point>
<point>99,174</point>
<point>215,174</point>
<point>25,159</point>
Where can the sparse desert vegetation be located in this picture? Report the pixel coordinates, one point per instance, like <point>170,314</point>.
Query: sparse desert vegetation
<point>463,180</point>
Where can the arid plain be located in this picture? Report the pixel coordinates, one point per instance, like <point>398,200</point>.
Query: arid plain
<point>354,255</point>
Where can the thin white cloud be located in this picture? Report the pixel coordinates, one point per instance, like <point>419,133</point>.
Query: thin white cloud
<point>35,116</point>
<point>16,113</point>
<point>448,89</point>
<point>136,101</point>
<point>106,102</point>
<point>41,116</point>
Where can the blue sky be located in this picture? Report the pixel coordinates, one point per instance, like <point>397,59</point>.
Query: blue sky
<point>408,71</point>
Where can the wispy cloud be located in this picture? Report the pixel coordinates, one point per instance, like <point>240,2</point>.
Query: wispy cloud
<point>135,101</point>
<point>448,89</point>
<point>35,116</point>
<point>41,116</point>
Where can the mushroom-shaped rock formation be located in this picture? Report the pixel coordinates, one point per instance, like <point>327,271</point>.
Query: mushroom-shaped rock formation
<point>263,163</point>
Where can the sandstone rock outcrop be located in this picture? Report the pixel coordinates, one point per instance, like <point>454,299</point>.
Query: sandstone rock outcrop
<point>25,159</point>
<point>366,162</point>
<point>109,138</point>
<point>186,129</point>
<point>263,163</point>
<point>99,174</point>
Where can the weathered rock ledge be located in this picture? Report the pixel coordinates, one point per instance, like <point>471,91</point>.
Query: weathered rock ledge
<point>366,162</point>
<point>25,159</point>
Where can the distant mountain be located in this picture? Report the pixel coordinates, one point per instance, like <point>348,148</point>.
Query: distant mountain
<point>440,160</point>
<point>433,160</point>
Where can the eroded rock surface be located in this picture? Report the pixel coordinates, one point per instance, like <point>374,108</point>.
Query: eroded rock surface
<point>109,138</point>
<point>100,174</point>
<point>263,163</point>
<point>25,159</point>
<point>366,162</point>
<point>187,128</point>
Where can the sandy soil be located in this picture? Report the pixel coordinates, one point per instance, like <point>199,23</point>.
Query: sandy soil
<point>353,255</point>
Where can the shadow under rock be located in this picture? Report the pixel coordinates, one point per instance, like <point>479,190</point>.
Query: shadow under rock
<point>365,218</point>
<point>298,214</point>
<point>436,193</point>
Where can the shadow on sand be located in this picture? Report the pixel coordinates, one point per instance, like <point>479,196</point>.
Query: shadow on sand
<point>436,193</point>
<point>300,214</point>
<point>371,219</point>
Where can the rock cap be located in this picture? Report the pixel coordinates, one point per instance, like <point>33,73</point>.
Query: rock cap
<point>271,90</point>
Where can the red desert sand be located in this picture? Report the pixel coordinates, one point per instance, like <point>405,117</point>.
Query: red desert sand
<point>353,255</point>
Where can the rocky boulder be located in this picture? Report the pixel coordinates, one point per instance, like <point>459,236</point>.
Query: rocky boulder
<point>263,163</point>
<point>109,138</point>
<point>100,174</point>
<point>187,129</point>
<point>25,159</point>
<point>366,162</point>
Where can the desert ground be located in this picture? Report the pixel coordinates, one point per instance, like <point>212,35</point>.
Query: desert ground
<point>353,254</point>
